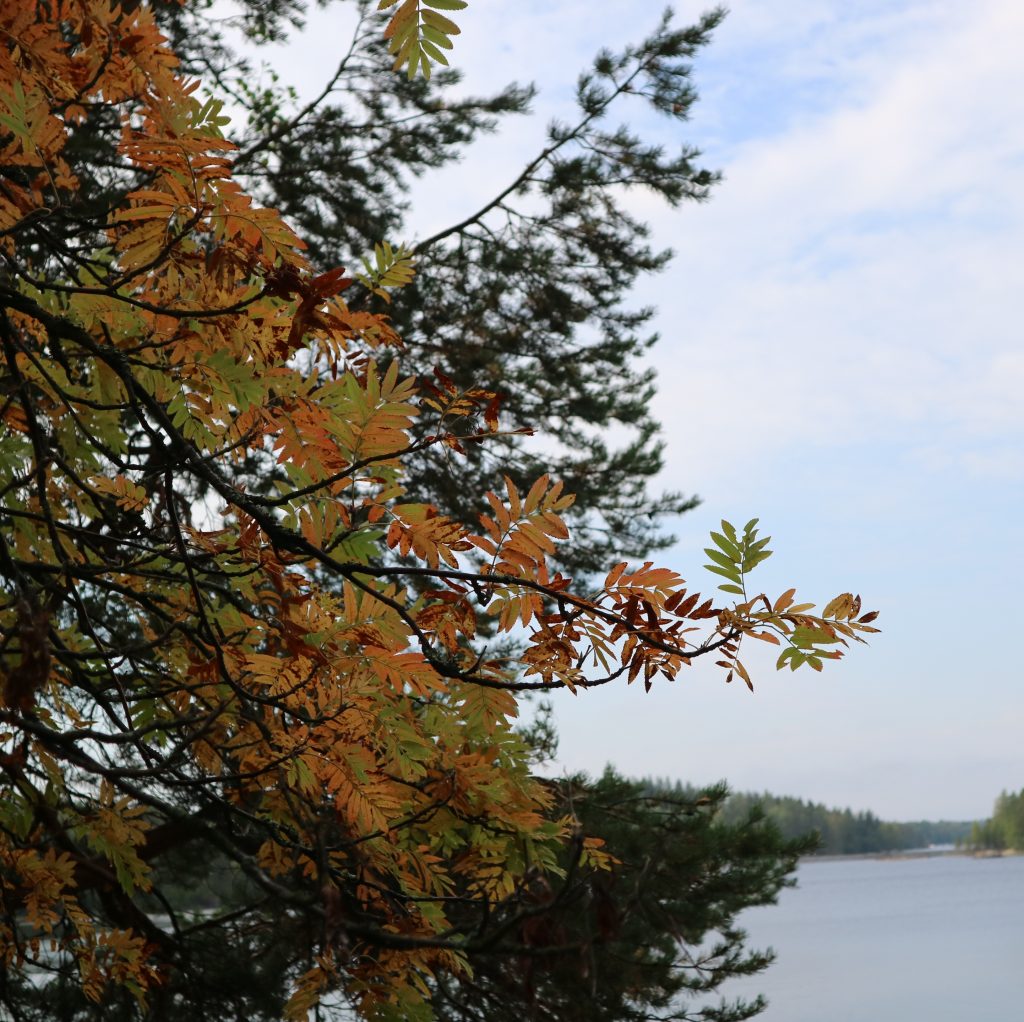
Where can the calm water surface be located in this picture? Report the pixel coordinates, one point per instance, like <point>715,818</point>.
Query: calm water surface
<point>897,940</point>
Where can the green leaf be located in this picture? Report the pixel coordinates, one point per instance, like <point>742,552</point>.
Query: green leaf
<point>808,638</point>
<point>732,574</point>
<point>359,547</point>
<point>750,563</point>
<point>409,50</point>
<point>446,25</point>
<point>433,52</point>
<point>436,36</point>
<point>727,545</point>
<point>719,558</point>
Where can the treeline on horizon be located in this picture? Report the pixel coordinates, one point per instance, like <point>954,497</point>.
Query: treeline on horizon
<point>1004,830</point>
<point>840,831</point>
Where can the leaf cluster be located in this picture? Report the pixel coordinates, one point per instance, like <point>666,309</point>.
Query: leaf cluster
<point>418,33</point>
<point>527,295</point>
<point>231,629</point>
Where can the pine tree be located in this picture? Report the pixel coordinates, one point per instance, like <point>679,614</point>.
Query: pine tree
<point>528,296</point>
<point>654,937</point>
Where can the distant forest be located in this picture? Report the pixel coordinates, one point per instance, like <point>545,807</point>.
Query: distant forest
<point>840,831</point>
<point>1004,830</point>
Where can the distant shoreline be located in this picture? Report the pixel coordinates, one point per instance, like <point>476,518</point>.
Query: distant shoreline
<point>917,853</point>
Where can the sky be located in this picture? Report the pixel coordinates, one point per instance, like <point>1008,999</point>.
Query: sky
<point>841,356</point>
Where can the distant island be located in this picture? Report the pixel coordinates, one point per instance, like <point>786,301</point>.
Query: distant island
<point>842,831</point>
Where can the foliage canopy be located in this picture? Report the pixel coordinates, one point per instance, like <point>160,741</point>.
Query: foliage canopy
<point>528,293</point>
<point>228,630</point>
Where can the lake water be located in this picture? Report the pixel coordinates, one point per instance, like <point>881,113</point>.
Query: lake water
<point>937,939</point>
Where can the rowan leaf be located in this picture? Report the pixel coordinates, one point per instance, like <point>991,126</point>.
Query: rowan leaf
<point>417,33</point>
<point>234,631</point>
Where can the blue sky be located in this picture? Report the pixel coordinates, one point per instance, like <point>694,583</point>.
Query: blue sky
<point>841,355</point>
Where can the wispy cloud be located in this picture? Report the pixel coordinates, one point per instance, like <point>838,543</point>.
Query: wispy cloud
<point>859,270</point>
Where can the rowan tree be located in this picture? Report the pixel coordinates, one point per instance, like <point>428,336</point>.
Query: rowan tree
<point>278,678</point>
<point>528,294</point>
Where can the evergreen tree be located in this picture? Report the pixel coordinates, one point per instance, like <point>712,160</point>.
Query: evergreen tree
<point>841,831</point>
<point>1005,828</point>
<point>657,937</point>
<point>527,296</point>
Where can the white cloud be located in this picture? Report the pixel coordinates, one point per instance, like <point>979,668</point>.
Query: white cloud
<point>861,269</point>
